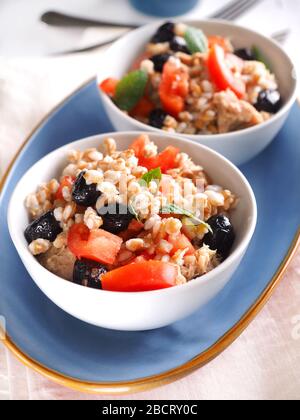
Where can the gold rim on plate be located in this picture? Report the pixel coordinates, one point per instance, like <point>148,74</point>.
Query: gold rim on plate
<point>172,375</point>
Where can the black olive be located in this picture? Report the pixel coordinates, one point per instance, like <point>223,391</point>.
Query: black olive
<point>165,33</point>
<point>222,237</point>
<point>269,101</point>
<point>116,217</point>
<point>45,227</point>
<point>83,194</point>
<point>245,54</point>
<point>178,44</point>
<point>159,61</point>
<point>88,273</point>
<point>157,118</point>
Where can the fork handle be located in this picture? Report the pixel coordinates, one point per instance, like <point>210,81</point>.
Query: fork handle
<point>64,20</point>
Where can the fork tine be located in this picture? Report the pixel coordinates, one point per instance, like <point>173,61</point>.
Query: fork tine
<point>221,14</point>
<point>243,9</point>
<point>281,36</point>
<point>236,9</point>
<point>279,39</point>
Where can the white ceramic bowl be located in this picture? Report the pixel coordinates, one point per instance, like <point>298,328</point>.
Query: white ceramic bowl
<point>135,311</point>
<point>239,146</point>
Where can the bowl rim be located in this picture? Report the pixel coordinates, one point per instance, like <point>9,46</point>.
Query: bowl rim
<point>203,137</point>
<point>24,252</point>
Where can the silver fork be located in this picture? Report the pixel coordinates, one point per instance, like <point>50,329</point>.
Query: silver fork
<point>230,12</point>
<point>235,9</point>
<point>281,36</point>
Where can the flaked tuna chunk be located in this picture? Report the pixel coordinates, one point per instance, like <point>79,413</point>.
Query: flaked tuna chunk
<point>233,113</point>
<point>59,261</point>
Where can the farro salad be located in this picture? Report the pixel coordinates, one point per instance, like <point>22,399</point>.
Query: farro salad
<point>190,83</point>
<point>132,220</point>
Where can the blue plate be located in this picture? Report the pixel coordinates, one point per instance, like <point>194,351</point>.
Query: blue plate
<point>94,359</point>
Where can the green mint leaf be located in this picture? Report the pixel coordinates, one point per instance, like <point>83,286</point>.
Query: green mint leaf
<point>153,175</point>
<point>196,40</point>
<point>131,89</point>
<point>174,209</point>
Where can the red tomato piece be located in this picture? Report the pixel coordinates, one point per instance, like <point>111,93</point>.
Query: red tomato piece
<point>140,277</point>
<point>181,242</point>
<point>109,86</point>
<point>143,108</point>
<point>165,160</point>
<point>172,104</point>
<point>174,88</point>
<point>139,145</point>
<point>221,73</point>
<point>67,181</point>
<point>97,245</point>
<point>176,78</point>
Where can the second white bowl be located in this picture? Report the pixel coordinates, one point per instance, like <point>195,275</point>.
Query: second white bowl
<point>239,146</point>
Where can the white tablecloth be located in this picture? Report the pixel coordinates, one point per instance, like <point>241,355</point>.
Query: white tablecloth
<point>264,363</point>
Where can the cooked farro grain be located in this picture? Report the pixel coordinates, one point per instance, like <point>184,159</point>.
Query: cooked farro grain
<point>172,226</point>
<point>60,241</point>
<point>93,176</point>
<point>164,247</point>
<point>91,219</point>
<point>134,245</point>
<point>147,66</point>
<point>110,146</point>
<point>39,246</point>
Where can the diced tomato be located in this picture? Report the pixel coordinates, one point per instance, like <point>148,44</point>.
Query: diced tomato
<point>109,86</point>
<point>97,245</point>
<point>67,181</point>
<point>221,73</point>
<point>165,160</point>
<point>143,108</point>
<point>174,88</point>
<point>176,78</point>
<point>134,228</point>
<point>140,277</point>
<point>218,40</point>
<point>181,242</point>
<point>172,104</point>
<point>139,145</point>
